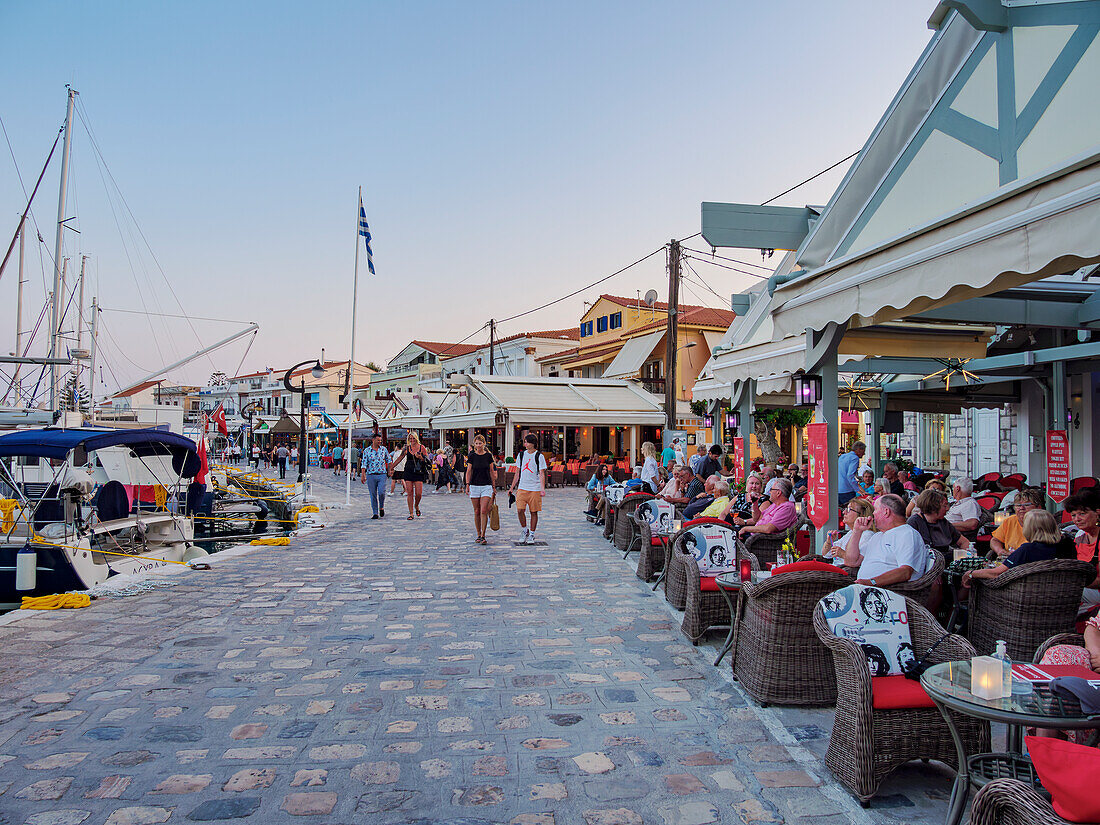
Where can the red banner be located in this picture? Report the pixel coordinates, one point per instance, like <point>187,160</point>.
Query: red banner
<point>818,503</point>
<point>739,458</point>
<point>1057,465</point>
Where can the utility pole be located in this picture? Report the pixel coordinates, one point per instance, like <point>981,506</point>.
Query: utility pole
<point>55,314</point>
<point>492,342</point>
<point>671,333</point>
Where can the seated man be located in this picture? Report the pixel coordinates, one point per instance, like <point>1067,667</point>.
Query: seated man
<point>682,494</point>
<point>965,513</point>
<point>894,554</point>
<point>778,517</point>
<point>703,499</point>
<point>721,499</point>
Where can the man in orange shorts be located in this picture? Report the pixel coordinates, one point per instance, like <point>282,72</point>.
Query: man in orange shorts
<point>531,481</point>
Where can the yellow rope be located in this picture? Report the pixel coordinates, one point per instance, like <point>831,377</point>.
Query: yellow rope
<point>39,540</point>
<point>57,600</point>
<point>281,541</point>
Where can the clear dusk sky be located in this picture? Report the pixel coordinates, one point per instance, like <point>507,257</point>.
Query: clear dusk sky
<point>509,152</point>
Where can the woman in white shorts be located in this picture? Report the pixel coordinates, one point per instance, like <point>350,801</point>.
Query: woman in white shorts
<point>481,477</point>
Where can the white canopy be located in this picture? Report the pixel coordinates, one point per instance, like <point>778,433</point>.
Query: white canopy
<point>633,355</point>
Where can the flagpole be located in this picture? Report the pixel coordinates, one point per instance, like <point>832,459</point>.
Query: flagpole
<point>351,359</point>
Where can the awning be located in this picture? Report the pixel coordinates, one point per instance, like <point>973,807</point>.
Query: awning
<point>633,354</point>
<point>713,339</point>
<point>1034,231</point>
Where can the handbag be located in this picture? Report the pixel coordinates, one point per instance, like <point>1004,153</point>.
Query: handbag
<point>494,516</point>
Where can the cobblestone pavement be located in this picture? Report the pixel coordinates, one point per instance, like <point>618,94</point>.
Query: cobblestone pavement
<point>394,672</point>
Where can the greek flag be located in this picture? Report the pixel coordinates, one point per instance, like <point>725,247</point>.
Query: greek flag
<point>364,230</point>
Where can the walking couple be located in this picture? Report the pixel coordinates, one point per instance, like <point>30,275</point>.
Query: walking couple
<point>481,476</point>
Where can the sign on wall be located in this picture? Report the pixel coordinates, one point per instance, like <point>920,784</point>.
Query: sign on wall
<point>817,504</point>
<point>739,458</point>
<point>1058,475</point>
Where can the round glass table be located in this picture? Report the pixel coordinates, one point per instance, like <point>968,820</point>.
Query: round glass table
<point>948,685</point>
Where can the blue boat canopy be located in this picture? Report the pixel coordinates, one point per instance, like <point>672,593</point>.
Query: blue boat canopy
<point>57,443</point>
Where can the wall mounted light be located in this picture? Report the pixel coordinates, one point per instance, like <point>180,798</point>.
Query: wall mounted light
<point>807,390</point>
<point>733,420</point>
<point>708,421</point>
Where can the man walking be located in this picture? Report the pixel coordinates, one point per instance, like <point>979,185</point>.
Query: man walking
<point>337,459</point>
<point>376,465</point>
<point>281,455</point>
<point>847,468</point>
<point>711,465</point>
<point>531,481</point>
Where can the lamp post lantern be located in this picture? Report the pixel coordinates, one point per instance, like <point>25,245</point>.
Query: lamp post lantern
<point>248,411</point>
<point>317,372</point>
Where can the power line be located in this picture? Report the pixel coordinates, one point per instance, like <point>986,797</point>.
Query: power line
<point>583,288</point>
<point>702,282</point>
<point>730,268</point>
<point>810,178</point>
<point>731,260</point>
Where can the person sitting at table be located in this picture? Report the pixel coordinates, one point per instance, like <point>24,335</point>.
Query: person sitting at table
<point>1088,657</point>
<point>1043,541</point>
<point>965,513</point>
<point>702,500</point>
<point>681,495</point>
<point>1010,534</point>
<point>721,499</point>
<point>865,487</point>
<point>837,540</point>
<point>669,481</point>
<point>931,484</point>
<point>777,517</point>
<point>906,481</point>
<point>1084,509</point>
<point>932,524</point>
<point>739,511</point>
<point>596,486</point>
<point>894,554</point>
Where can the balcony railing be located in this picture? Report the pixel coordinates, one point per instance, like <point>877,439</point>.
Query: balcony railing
<point>654,385</point>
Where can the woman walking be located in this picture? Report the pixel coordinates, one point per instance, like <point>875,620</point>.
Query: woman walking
<point>417,464</point>
<point>481,479</point>
<point>649,469</point>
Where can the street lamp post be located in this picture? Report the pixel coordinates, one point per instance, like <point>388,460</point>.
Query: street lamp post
<point>248,411</point>
<point>316,372</point>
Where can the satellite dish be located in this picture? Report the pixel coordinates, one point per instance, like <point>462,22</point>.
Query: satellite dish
<point>651,297</point>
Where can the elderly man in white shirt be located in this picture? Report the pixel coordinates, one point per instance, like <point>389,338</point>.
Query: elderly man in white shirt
<point>894,554</point>
<point>965,513</point>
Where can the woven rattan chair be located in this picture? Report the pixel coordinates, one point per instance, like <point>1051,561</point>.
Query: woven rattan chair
<point>608,516</point>
<point>676,579</point>
<point>557,477</point>
<point>868,744</point>
<point>765,546</point>
<point>704,609</point>
<point>920,590</point>
<point>777,657</point>
<point>1012,802</point>
<point>1027,605</point>
<point>651,555</point>
<point>626,528</point>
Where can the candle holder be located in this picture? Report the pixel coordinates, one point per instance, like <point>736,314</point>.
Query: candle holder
<point>986,677</point>
<point>746,570</point>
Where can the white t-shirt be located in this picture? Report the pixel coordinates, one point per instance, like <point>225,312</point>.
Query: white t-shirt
<point>529,465</point>
<point>680,459</point>
<point>894,548</point>
<point>964,510</point>
<point>649,471</point>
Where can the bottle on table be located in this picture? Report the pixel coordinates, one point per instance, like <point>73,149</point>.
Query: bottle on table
<point>1001,652</point>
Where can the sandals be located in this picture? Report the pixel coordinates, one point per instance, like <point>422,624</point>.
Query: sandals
<point>418,511</point>
<point>410,518</point>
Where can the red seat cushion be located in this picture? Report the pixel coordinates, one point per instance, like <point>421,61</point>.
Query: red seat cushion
<point>655,542</point>
<point>707,584</point>
<point>898,693</point>
<point>695,522</point>
<point>1068,771</point>
<point>820,566</point>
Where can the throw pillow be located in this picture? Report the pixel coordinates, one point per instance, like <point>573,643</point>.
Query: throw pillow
<point>819,566</point>
<point>1067,770</point>
<point>877,620</point>
<point>659,514</point>
<point>713,547</point>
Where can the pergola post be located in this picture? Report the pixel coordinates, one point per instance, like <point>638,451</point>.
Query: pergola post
<point>877,417</point>
<point>509,438</point>
<point>744,400</point>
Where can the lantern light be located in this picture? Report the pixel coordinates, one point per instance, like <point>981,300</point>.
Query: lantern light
<point>987,677</point>
<point>708,421</point>
<point>807,390</point>
<point>733,420</point>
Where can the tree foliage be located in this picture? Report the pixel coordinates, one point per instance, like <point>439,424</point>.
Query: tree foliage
<point>75,396</point>
<point>766,422</point>
<point>371,365</point>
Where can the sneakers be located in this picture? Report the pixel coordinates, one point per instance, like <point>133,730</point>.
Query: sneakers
<point>526,538</point>
<point>531,537</point>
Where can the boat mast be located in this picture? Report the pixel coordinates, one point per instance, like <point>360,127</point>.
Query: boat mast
<point>95,330</point>
<point>19,311</point>
<point>55,307</point>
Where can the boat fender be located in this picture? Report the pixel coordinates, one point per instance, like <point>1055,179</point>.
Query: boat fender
<point>194,552</point>
<point>26,568</point>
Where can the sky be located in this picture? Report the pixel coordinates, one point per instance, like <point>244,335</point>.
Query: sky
<point>508,152</point>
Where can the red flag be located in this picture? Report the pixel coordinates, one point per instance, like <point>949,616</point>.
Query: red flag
<point>204,465</point>
<point>218,417</point>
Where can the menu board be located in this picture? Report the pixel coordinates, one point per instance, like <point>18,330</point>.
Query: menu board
<point>1058,465</point>
<point>818,500</point>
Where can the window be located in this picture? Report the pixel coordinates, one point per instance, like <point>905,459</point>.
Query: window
<point>586,329</point>
<point>601,324</point>
<point>616,320</point>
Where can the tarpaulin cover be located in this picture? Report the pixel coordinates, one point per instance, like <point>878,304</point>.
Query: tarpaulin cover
<point>58,443</point>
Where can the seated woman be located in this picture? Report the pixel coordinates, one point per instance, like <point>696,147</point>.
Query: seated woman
<point>836,543</point>
<point>1010,534</point>
<point>599,482</point>
<point>932,524</point>
<point>739,511</point>
<point>1084,509</point>
<point>780,515</point>
<point>1087,656</point>
<point>931,484</point>
<point>1043,541</point>
<point>866,486</point>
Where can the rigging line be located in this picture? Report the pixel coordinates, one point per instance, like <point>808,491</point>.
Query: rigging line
<point>30,197</point>
<point>768,269</point>
<point>125,248</point>
<point>730,268</point>
<point>229,384</point>
<point>84,119</point>
<point>575,292</point>
<point>810,178</point>
<point>700,280</point>
<point>170,315</point>
<point>121,351</point>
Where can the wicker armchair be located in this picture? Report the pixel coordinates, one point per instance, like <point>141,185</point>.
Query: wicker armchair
<point>626,528</point>
<point>704,609</point>
<point>1027,604</point>
<point>1075,639</point>
<point>777,657</point>
<point>651,555</point>
<point>557,476</point>
<point>867,744</point>
<point>765,546</point>
<point>920,590</point>
<point>608,516</point>
<point>676,578</point>
<point>1012,802</point>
